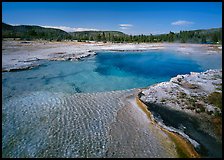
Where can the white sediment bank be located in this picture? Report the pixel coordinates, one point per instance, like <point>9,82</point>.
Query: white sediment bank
<point>17,54</point>
<point>175,93</point>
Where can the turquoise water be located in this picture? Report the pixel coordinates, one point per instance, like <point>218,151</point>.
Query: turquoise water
<point>106,72</point>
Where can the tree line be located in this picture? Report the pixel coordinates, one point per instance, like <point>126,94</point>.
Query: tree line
<point>199,36</point>
<point>25,32</point>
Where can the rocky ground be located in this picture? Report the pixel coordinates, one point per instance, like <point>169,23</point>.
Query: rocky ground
<point>197,94</point>
<point>187,92</point>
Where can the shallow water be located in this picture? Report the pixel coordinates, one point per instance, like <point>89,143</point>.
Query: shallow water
<point>106,72</point>
<point>46,124</point>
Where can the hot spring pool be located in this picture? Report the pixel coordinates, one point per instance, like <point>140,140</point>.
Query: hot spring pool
<point>43,118</point>
<point>107,71</point>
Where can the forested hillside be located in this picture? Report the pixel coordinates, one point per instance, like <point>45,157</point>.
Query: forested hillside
<point>26,32</point>
<point>97,35</point>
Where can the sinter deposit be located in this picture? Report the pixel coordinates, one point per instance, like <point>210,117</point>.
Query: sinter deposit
<point>176,93</point>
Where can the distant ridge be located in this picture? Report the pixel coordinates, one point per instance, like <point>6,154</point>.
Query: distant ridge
<point>30,32</point>
<point>33,32</point>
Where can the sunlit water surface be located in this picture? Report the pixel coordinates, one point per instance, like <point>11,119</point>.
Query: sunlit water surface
<point>106,72</point>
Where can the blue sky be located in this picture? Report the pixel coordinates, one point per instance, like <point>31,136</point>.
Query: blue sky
<point>128,17</point>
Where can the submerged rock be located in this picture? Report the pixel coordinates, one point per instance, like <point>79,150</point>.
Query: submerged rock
<point>73,57</point>
<point>19,67</point>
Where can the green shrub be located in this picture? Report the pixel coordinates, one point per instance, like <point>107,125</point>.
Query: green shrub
<point>215,98</point>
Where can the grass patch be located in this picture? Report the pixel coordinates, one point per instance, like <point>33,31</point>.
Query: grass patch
<point>189,85</point>
<point>182,95</point>
<point>216,77</point>
<point>191,101</point>
<point>219,87</point>
<point>215,98</point>
<point>200,107</point>
<point>217,122</point>
<point>195,103</point>
<point>190,107</point>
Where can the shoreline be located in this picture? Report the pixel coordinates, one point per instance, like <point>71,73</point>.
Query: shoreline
<point>184,148</point>
<point>133,136</point>
<point>186,99</point>
<point>17,54</point>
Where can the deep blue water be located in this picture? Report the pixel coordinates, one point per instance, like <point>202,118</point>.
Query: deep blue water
<point>106,72</point>
<point>153,66</point>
